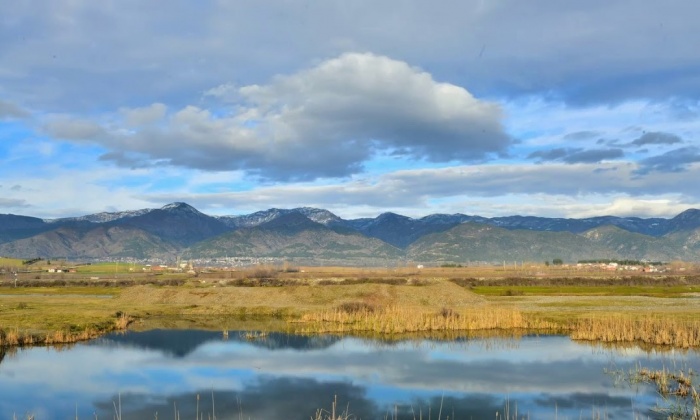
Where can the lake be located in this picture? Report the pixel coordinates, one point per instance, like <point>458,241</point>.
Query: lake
<point>156,373</point>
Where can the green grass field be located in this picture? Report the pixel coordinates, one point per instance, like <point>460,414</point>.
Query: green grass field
<point>109,268</point>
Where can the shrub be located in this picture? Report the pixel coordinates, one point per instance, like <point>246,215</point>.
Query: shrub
<point>355,307</point>
<point>448,313</point>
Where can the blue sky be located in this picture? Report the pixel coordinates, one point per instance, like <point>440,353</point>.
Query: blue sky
<point>549,108</point>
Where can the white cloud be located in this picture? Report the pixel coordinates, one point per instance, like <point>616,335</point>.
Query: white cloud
<point>322,122</point>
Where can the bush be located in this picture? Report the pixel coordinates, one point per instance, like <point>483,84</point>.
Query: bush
<point>448,313</point>
<point>355,307</point>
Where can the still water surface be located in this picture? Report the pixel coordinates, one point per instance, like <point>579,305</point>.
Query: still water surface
<point>156,373</point>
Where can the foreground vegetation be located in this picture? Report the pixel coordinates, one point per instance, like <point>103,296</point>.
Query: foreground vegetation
<point>48,308</point>
<point>69,334</point>
<point>677,389</point>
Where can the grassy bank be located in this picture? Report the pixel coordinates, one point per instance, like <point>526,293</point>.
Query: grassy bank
<point>658,310</point>
<point>69,334</point>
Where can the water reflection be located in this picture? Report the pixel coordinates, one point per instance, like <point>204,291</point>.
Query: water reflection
<point>285,376</point>
<point>180,343</point>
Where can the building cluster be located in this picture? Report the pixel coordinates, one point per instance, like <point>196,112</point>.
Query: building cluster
<point>61,270</point>
<point>236,262</point>
<point>614,266</point>
<point>184,267</point>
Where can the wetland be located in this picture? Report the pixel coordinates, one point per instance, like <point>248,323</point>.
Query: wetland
<point>435,343</point>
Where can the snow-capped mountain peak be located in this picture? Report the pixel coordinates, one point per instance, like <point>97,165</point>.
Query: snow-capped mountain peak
<point>102,217</point>
<point>180,207</point>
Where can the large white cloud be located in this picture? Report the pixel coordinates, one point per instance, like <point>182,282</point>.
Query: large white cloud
<point>321,122</point>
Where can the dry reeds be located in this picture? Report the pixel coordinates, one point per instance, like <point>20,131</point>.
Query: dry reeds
<point>333,414</point>
<point>13,338</point>
<point>61,337</point>
<point>399,320</point>
<point>356,318</point>
<point>122,322</point>
<point>654,330</point>
<point>676,388</point>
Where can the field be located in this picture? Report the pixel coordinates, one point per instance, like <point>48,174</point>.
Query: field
<point>586,304</point>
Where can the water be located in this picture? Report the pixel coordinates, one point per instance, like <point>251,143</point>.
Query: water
<point>153,374</point>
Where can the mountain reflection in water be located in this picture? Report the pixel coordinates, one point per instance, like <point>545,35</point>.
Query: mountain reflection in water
<point>282,376</point>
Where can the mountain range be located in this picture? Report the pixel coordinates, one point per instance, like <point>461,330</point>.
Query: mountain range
<point>311,235</point>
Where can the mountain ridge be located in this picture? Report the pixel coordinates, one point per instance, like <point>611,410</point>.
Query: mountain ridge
<point>312,233</point>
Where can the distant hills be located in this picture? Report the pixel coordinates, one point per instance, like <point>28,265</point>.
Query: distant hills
<point>310,235</point>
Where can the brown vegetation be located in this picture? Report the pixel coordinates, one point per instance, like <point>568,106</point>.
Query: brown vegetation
<point>358,317</point>
<point>399,320</point>
<point>654,330</point>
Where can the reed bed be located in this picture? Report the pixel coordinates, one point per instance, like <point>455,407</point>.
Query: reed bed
<point>399,320</point>
<point>16,338</point>
<point>664,331</point>
<point>610,328</point>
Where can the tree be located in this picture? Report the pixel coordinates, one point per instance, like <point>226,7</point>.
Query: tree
<point>557,261</point>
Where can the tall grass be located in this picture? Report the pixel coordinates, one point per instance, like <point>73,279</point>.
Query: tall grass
<point>664,331</point>
<point>398,320</point>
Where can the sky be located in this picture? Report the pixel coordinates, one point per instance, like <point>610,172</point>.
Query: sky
<point>492,108</point>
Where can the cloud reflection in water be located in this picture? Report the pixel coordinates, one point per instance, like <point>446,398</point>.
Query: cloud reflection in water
<point>292,377</point>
